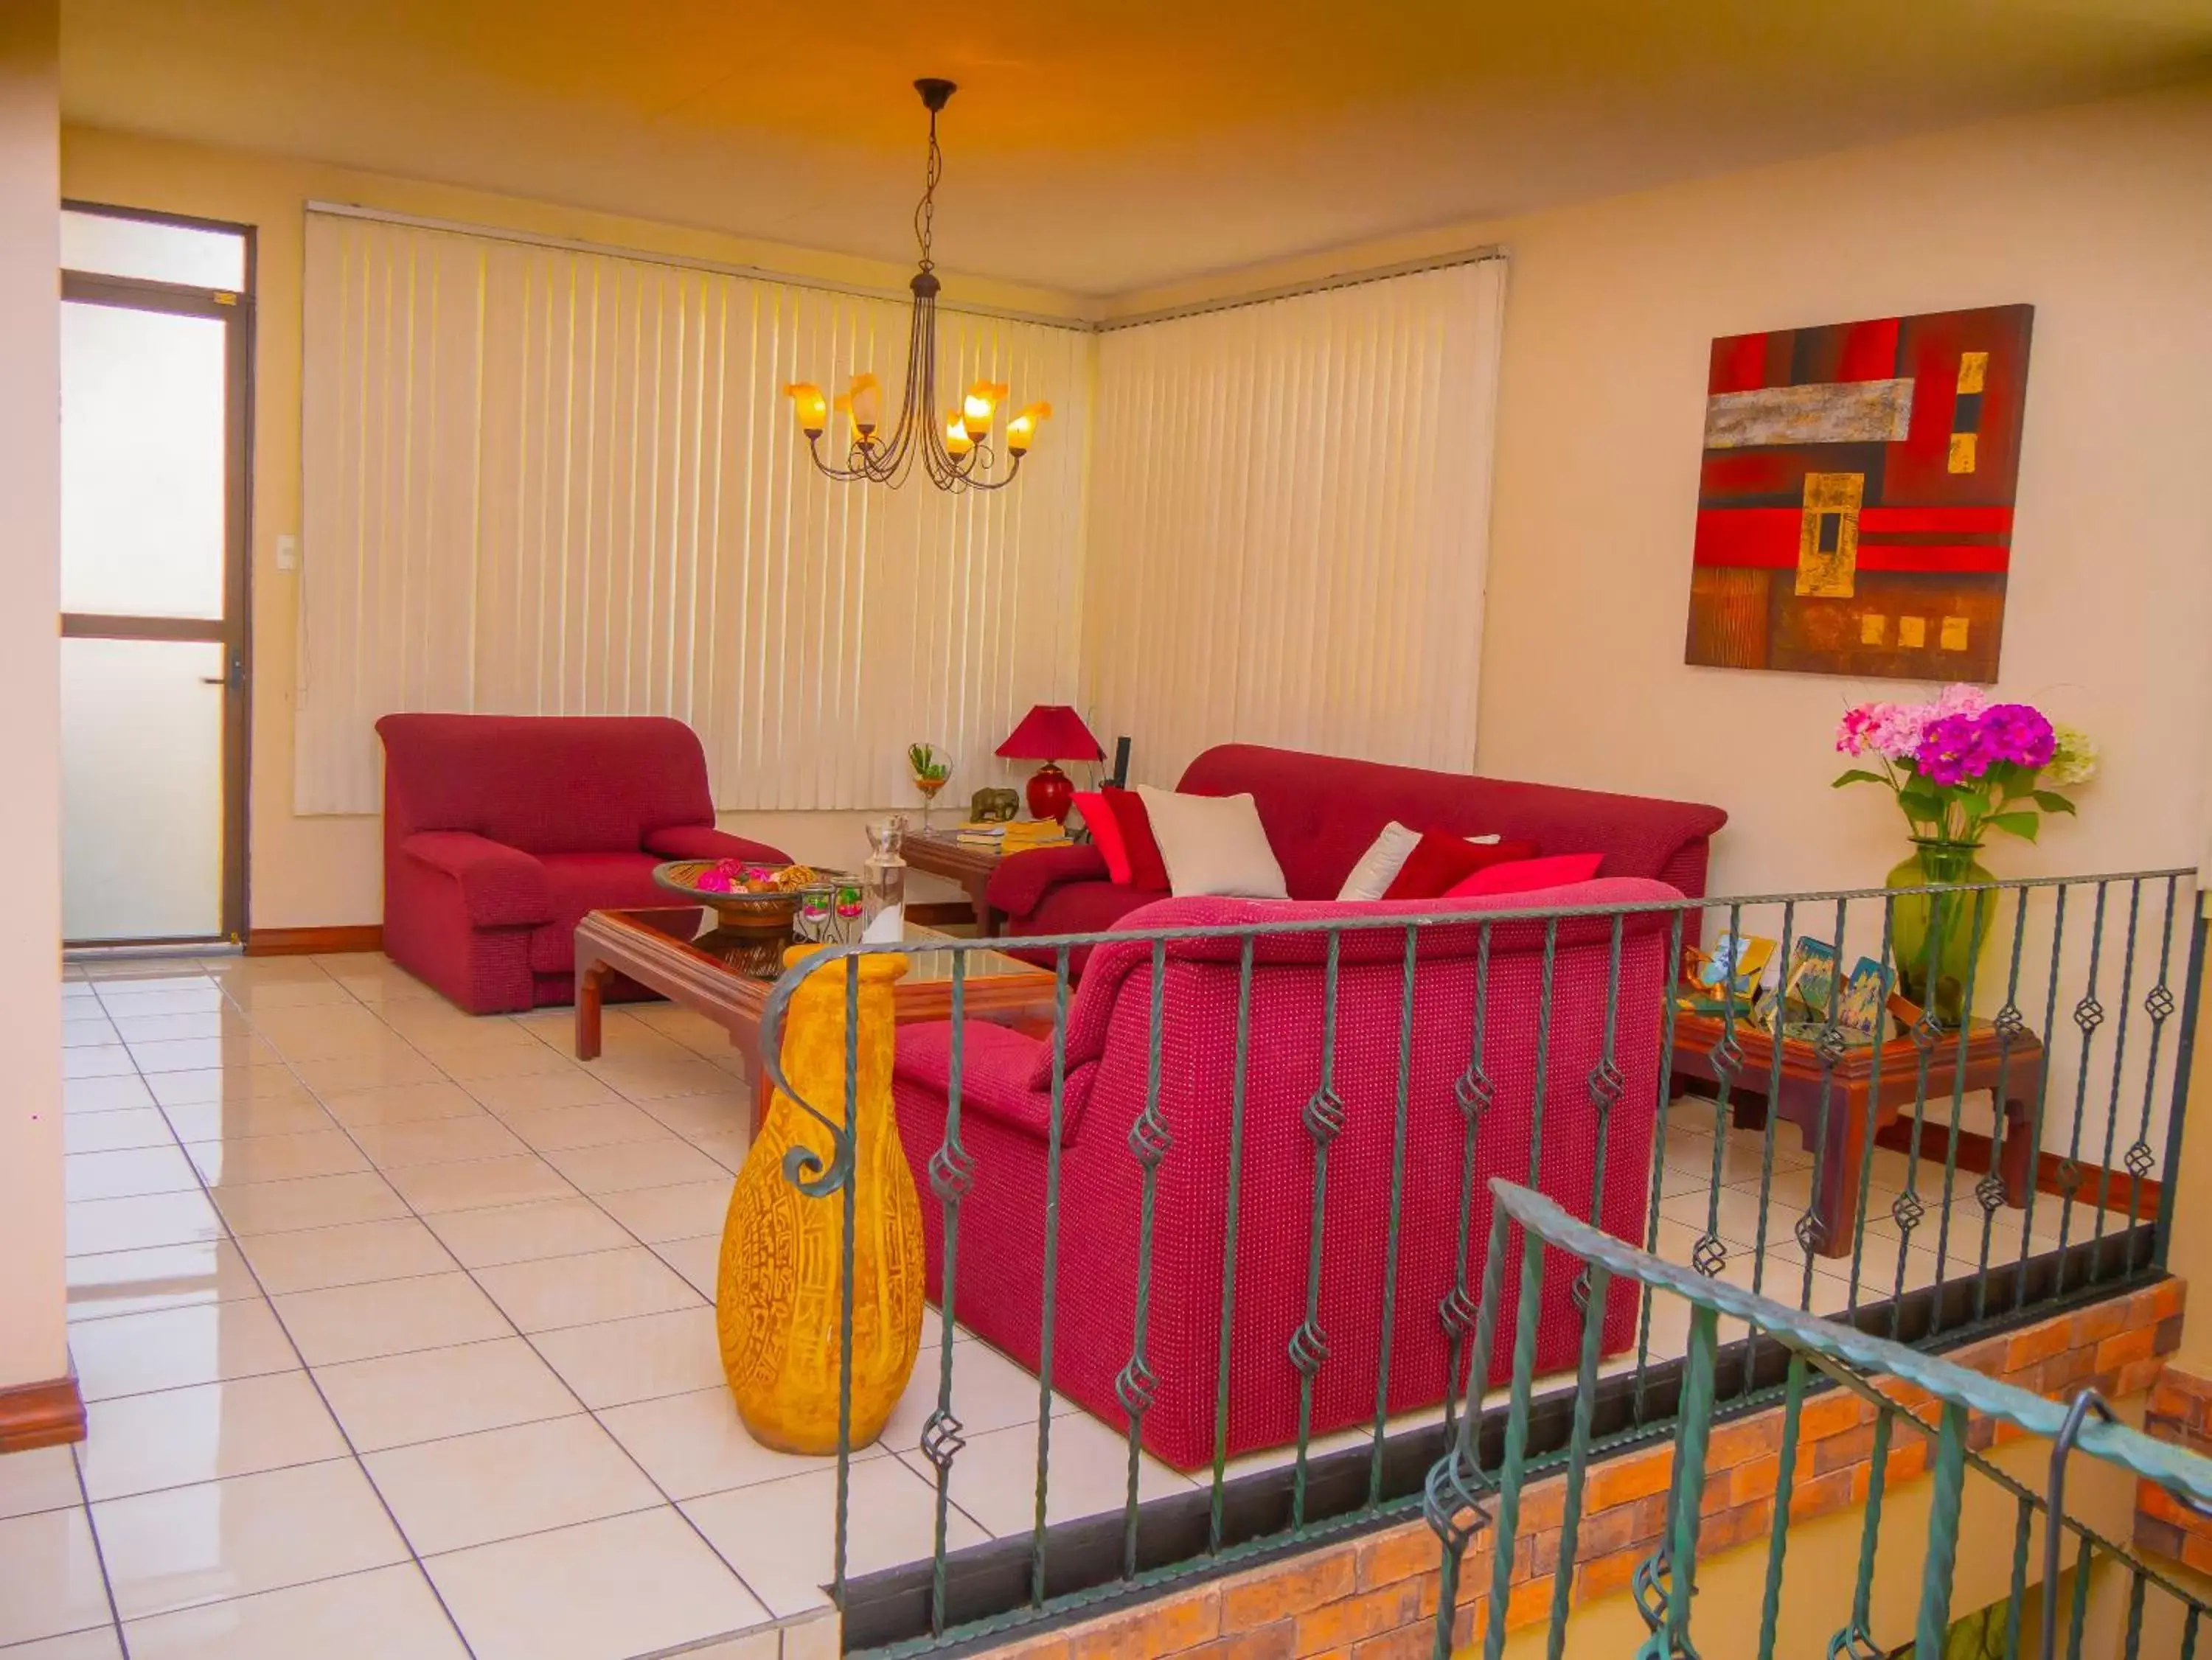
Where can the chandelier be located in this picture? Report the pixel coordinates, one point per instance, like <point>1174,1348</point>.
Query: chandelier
<point>958,455</point>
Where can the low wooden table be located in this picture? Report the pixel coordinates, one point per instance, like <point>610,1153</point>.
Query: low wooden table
<point>1856,1112</point>
<point>971,867</point>
<point>654,948</point>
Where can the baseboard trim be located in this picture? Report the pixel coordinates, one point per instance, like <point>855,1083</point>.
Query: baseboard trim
<point>2110,1189</point>
<point>48,1414</point>
<point>310,941</point>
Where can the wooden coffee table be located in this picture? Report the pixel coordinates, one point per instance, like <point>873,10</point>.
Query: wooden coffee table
<point>1854,1109</point>
<point>654,948</point>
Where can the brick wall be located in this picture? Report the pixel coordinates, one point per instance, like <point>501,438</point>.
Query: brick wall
<point>1375,1598</point>
<point>2180,1410</point>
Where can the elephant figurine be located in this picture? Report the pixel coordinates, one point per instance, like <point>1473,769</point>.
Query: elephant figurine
<point>994,806</point>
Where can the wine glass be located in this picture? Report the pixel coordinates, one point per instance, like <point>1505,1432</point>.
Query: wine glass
<point>933,771</point>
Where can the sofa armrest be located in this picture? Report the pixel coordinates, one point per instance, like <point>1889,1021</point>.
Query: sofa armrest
<point>996,1065</point>
<point>1018,886</point>
<point>501,887</point>
<point>703,841</point>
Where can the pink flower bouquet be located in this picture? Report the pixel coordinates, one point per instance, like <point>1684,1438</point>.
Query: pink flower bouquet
<point>1962,765</point>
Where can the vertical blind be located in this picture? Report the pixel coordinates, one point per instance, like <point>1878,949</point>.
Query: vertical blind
<point>545,481</point>
<point>540,481</point>
<point>1289,523</point>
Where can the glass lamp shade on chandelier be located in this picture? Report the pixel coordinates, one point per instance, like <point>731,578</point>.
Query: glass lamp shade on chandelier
<point>957,455</point>
<point>1051,732</point>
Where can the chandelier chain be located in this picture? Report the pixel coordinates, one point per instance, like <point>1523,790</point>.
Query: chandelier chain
<point>926,211</point>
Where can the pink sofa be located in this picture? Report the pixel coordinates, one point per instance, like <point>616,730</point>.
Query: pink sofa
<point>1006,1118</point>
<point>1322,812</point>
<point>501,831</point>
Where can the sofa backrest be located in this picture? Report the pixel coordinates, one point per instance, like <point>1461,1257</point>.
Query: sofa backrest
<point>1109,1019</point>
<point>544,784</point>
<point>1322,812</point>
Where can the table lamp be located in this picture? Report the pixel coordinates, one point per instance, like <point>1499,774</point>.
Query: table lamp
<point>1051,732</point>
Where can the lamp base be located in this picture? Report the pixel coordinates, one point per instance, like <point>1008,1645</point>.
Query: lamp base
<point>1051,793</point>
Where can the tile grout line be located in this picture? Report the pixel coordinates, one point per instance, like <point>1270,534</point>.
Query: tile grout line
<point>583,1407</point>
<point>352,1452</point>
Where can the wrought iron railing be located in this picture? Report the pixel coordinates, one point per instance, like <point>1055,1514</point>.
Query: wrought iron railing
<point>1466,1500</point>
<point>1890,1209</point>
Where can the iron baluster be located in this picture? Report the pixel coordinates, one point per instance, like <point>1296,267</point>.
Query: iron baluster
<point>1810,1233</point>
<point>1710,1253</point>
<point>1943,1522</point>
<point>1509,1472</point>
<point>1605,1085</point>
<point>951,1173</point>
<point>1864,1151</point>
<point>1324,1121</point>
<point>1855,1639</point>
<point>1562,1577</point>
<point>2158,1004</point>
<point>1670,972</point>
<point>1149,1141</point>
<point>2088,1015</point>
<point>1397,1216</point>
<point>1989,1192</point>
<point>2184,1055</point>
<point>1907,1210</point>
<point>1773,1119</point>
<point>1056,1133</point>
<point>1234,1203</point>
<point>2119,1063</point>
<point>2043,1086</point>
<point>1958,1112</point>
<point>1473,1094</point>
<point>1785,1486</point>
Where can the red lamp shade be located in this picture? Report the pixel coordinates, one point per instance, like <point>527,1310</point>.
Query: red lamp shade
<point>1050,732</point>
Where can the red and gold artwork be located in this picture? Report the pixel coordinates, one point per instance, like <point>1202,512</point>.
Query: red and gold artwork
<point>1854,509</point>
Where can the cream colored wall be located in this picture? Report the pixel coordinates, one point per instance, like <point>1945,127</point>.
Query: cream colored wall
<point>313,872</point>
<point>2095,215</point>
<point>32,1305</point>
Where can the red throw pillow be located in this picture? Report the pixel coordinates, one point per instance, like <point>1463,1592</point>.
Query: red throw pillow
<point>1106,832</point>
<point>1146,868</point>
<point>1439,861</point>
<point>1526,875</point>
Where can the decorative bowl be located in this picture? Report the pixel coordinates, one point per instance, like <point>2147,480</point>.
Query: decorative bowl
<point>751,929</point>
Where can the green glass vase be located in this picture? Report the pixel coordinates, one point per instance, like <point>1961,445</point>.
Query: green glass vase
<point>1938,937</point>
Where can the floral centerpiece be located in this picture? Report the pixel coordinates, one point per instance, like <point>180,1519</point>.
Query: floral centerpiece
<point>1959,767</point>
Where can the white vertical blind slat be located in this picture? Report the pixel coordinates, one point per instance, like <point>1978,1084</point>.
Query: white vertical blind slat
<point>540,481</point>
<point>1290,523</point>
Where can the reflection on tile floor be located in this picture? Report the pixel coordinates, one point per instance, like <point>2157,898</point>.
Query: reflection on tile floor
<point>396,1328</point>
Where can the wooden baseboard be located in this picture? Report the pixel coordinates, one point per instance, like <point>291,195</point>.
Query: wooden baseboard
<point>937,913</point>
<point>313,942</point>
<point>2110,1189</point>
<point>49,1414</point>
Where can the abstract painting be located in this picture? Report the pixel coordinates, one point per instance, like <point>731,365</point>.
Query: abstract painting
<point>1855,502</point>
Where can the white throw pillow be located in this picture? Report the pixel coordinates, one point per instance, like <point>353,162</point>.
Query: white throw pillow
<point>1385,857</point>
<point>1379,865</point>
<point>1214,844</point>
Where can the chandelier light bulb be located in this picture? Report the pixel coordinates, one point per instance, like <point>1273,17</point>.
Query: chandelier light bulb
<point>806,403</point>
<point>957,443</point>
<point>1021,431</point>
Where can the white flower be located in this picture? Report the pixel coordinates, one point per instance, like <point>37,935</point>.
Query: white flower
<point>2073,760</point>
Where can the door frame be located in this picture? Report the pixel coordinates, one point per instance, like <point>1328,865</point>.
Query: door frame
<point>234,631</point>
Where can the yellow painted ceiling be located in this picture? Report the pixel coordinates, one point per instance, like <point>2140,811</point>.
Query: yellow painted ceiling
<point>1092,149</point>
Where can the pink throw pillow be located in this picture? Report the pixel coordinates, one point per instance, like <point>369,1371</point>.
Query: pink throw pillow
<point>1105,831</point>
<point>1526,875</point>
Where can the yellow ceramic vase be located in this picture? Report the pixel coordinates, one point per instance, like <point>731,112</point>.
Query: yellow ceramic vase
<point>779,1282</point>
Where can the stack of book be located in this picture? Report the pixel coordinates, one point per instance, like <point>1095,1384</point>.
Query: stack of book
<point>1015,836</point>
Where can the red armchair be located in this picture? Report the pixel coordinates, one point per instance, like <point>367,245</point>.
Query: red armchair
<point>1007,1102</point>
<point>501,831</point>
<point>1322,812</point>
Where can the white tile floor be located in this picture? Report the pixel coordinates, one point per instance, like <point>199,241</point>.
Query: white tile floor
<point>395,1326</point>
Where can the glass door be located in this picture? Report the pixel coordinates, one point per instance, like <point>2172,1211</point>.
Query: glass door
<point>155,338</point>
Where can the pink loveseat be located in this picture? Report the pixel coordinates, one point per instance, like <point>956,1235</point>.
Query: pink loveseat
<point>501,831</point>
<point>1007,1105</point>
<point>1322,812</point>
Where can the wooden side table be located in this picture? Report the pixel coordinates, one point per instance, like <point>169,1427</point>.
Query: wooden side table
<point>971,867</point>
<point>1856,1110</point>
